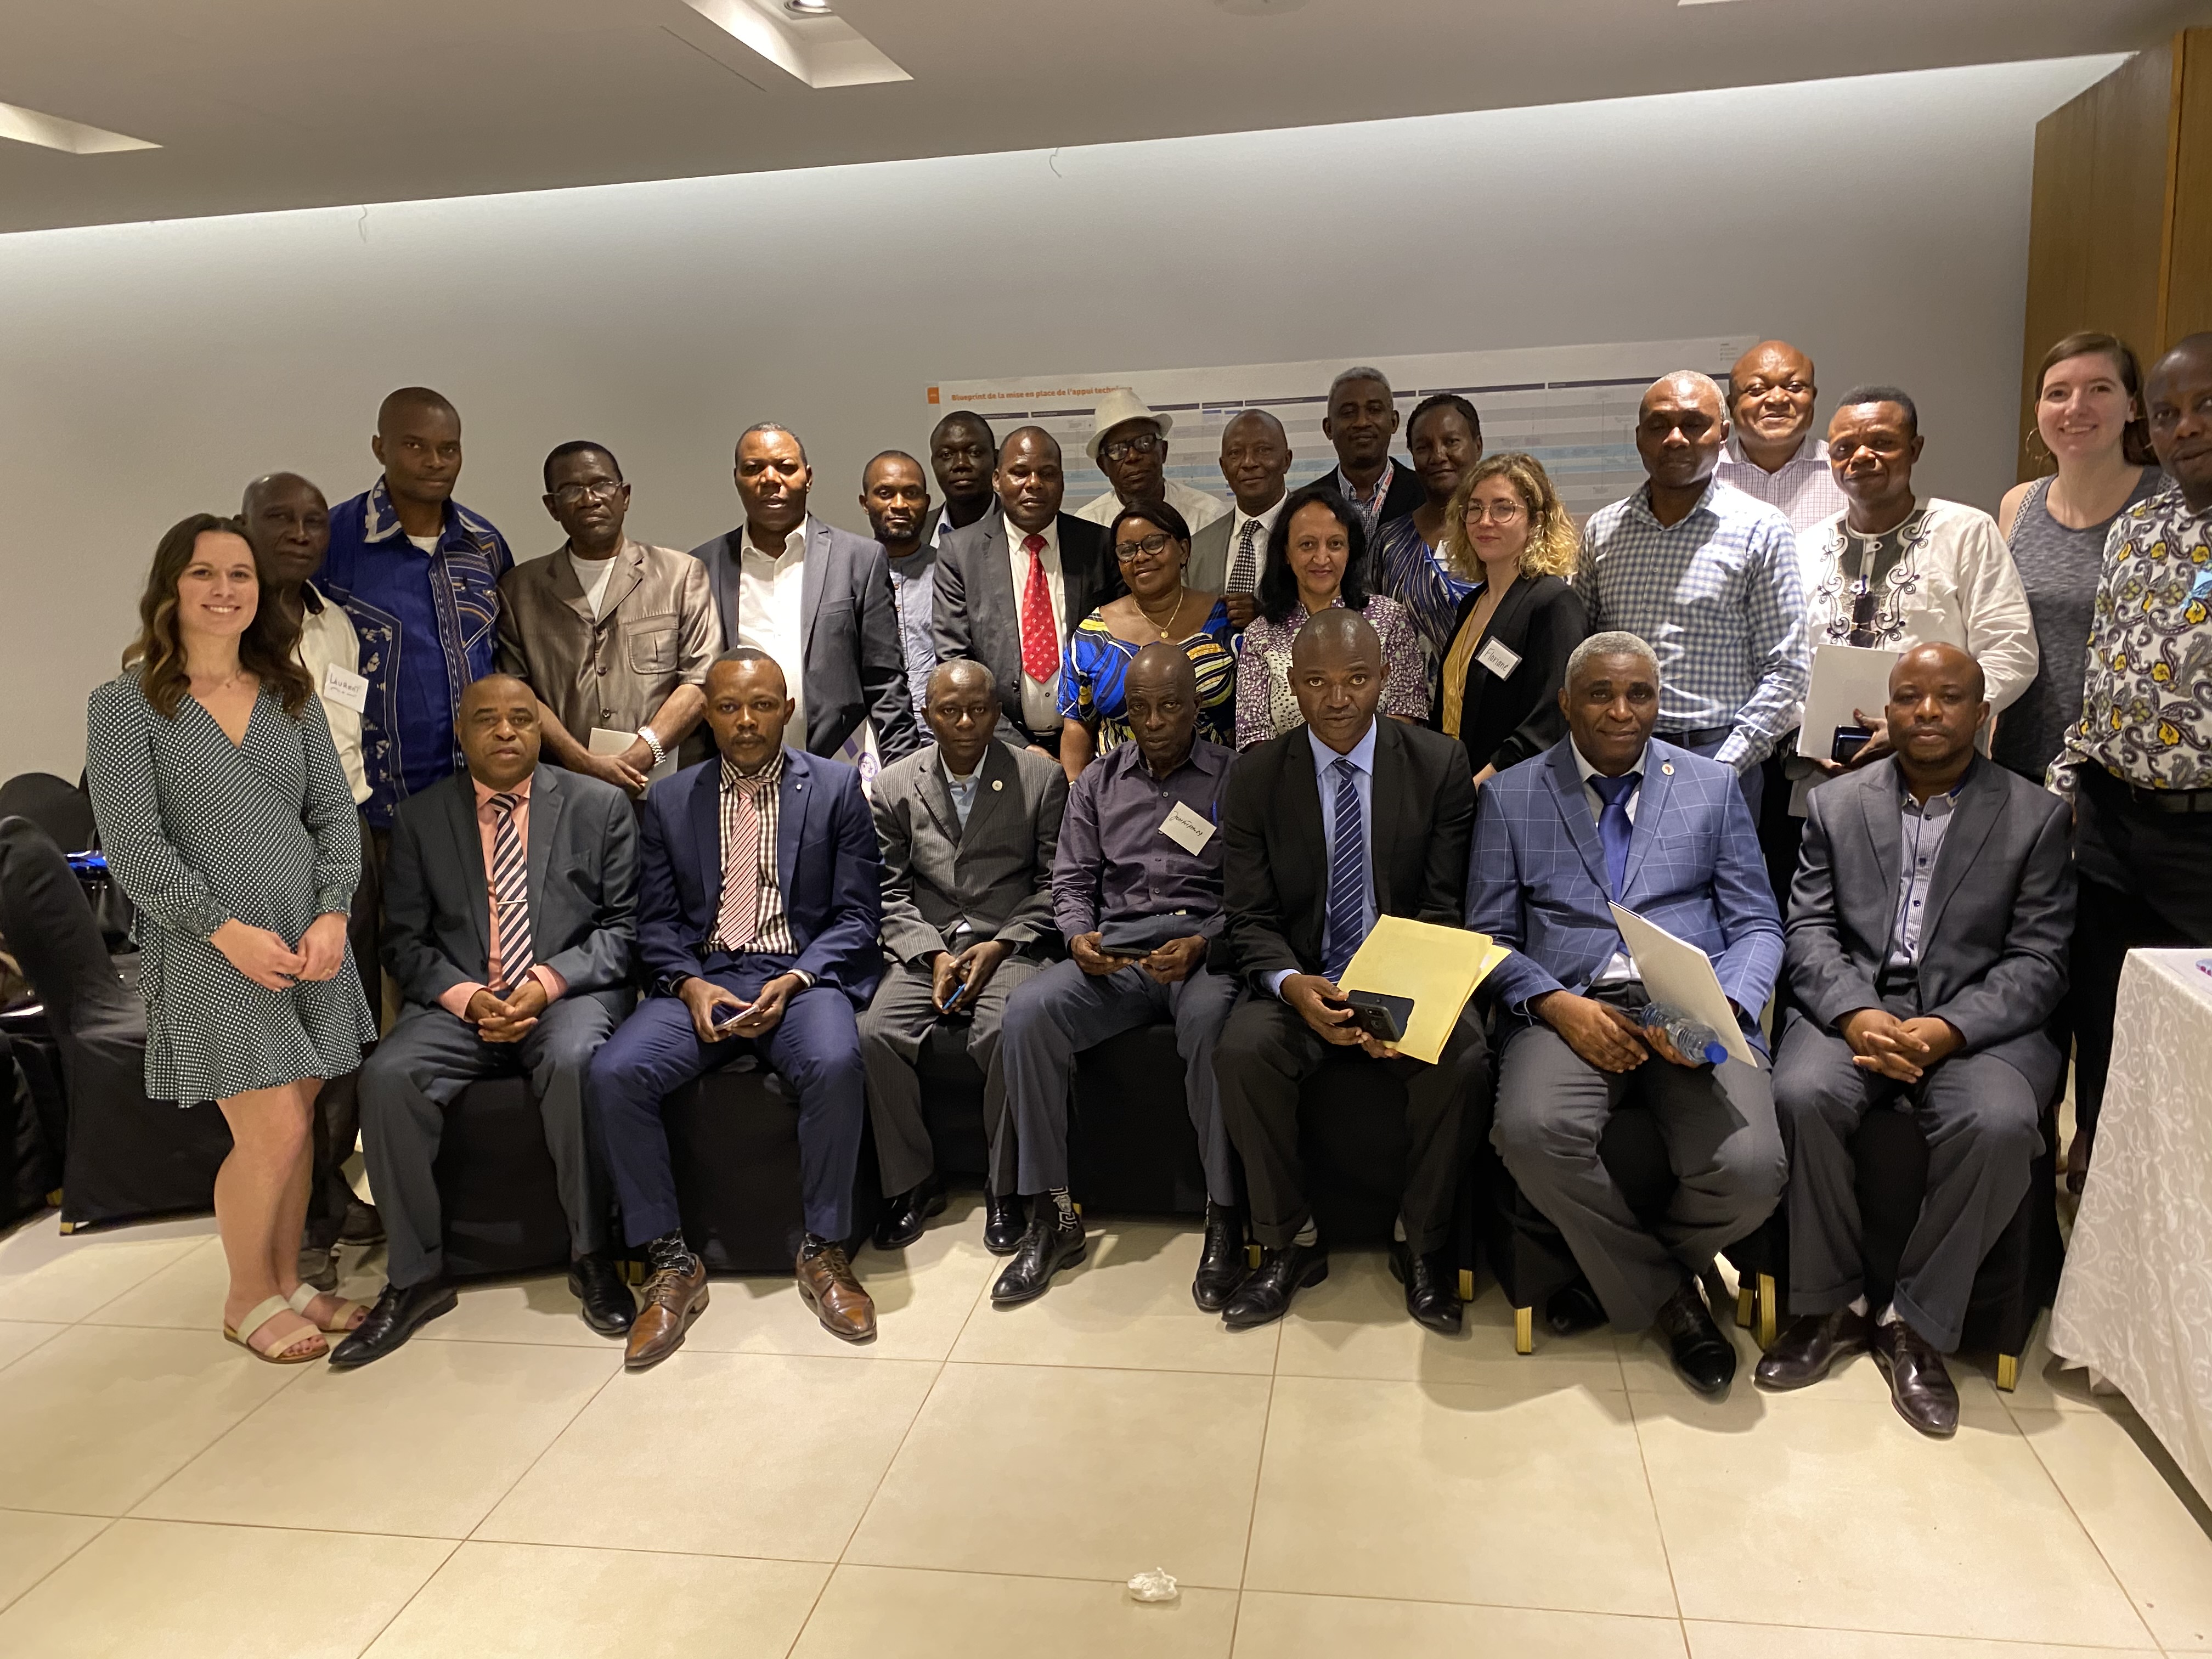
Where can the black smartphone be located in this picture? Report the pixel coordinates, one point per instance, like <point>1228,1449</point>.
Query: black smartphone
<point>1382,1017</point>
<point>1849,740</point>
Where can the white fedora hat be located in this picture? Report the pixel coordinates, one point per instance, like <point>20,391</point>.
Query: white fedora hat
<point>1118,407</point>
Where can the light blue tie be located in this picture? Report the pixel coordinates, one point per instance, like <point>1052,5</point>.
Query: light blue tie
<point>1344,923</point>
<point>1613,829</point>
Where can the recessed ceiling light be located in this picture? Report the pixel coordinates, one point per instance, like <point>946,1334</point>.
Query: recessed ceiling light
<point>1258,8</point>
<point>808,8</point>
<point>29,126</point>
<point>805,38</point>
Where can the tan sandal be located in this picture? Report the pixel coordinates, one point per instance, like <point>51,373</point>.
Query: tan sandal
<point>260,1315</point>
<point>341,1323</point>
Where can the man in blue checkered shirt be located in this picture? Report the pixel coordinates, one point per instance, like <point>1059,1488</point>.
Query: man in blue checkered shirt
<point>1708,576</point>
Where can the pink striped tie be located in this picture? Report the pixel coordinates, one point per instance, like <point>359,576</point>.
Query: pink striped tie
<point>738,923</point>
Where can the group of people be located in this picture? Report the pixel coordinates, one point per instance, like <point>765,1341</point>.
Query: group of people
<point>611,818</point>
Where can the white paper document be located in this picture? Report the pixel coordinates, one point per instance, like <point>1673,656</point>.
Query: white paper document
<point>1845,677</point>
<point>1678,973</point>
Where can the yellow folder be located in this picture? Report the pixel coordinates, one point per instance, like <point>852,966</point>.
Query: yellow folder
<point>1437,968</point>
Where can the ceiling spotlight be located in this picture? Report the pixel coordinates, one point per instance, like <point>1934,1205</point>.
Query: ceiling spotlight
<point>808,8</point>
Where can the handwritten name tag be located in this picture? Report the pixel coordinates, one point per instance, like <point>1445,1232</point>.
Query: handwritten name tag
<point>1499,659</point>
<point>1187,830</point>
<point>346,689</point>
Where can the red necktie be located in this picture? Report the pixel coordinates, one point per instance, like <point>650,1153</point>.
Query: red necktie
<point>1040,633</point>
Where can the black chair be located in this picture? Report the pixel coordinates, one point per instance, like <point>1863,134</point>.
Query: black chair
<point>57,806</point>
<point>30,1162</point>
<point>733,1140</point>
<point>497,1186</point>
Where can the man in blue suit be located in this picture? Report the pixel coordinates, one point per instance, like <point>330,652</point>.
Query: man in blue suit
<point>1612,814</point>
<point>759,900</point>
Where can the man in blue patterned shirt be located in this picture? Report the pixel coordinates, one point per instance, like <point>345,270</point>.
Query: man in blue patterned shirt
<point>1707,575</point>
<point>419,575</point>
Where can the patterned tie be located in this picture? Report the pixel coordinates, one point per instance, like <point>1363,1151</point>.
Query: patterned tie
<point>1614,828</point>
<point>1040,633</point>
<point>510,892</point>
<point>1245,568</point>
<point>738,924</point>
<point>1343,923</point>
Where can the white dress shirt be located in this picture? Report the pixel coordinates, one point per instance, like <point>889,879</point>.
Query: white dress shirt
<point>1238,517</point>
<point>1622,968</point>
<point>1198,508</point>
<point>327,640</point>
<point>1040,698</point>
<point>770,615</point>
<point>1803,486</point>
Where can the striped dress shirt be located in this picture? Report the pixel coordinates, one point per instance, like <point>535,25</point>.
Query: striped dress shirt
<point>772,937</point>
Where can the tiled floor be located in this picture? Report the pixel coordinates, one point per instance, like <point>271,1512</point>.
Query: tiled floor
<point>979,1483</point>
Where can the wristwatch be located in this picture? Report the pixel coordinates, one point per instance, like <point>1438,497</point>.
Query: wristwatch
<point>660,755</point>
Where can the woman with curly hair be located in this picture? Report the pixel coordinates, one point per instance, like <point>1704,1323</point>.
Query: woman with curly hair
<point>1507,532</point>
<point>226,818</point>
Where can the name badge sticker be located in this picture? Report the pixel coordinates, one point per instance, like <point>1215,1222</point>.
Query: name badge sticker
<point>346,689</point>
<point>1499,659</point>
<point>1187,830</point>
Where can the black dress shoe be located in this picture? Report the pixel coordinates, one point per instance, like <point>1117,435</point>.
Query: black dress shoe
<point>607,1306</point>
<point>1266,1296</point>
<point>1809,1349</point>
<point>1574,1311</point>
<point>1920,1385</point>
<point>1705,1358</point>
<point>362,1226</point>
<point>1221,1263</point>
<point>905,1216</point>
<point>1432,1284</point>
<point>1002,1224</point>
<point>1049,1245</point>
<point>399,1312</point>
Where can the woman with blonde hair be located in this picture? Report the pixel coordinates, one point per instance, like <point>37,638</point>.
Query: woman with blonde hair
<point>228,819</point>
<point>1507,532</point>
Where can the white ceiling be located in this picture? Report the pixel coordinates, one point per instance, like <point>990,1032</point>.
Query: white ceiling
<point>268,104</point>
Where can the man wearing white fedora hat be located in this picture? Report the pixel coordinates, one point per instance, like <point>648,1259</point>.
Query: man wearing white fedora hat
<point>1129,444</point>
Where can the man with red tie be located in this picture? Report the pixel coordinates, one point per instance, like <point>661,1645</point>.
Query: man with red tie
<point>508,900</point>
<point>1011,586</point>
<point>759,902</point>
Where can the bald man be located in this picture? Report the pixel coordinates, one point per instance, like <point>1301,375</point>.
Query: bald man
<point>1774,450</point>
<point>509,901</point>
<point>419,575</point>
<point>1225,556</point>
<point>1708,577</point>
<point>1927,948</point>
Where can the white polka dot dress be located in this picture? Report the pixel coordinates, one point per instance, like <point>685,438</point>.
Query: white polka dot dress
<point>198,830</point>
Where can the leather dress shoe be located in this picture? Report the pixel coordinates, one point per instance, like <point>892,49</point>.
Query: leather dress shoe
<point>1266,1296</point>
<point>905,1216</point>
<point>1002,1224</point>
<point>1920,1385</point>
<point>362,1226</point>
<point>1432,1284</point>
<point>607,1306</point>
<point>674,1297</point>
<point>826,1283</point>
<point>400,1311</point>
<point>1047,1245</point>
<point>1574,1311</point>
<point>1221,1263</point>
<point>1705,1357</point>
<point>1809,1349</point>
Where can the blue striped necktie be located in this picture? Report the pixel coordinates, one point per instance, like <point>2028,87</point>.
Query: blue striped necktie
<point>510,892</point>
<point>1344,923</point>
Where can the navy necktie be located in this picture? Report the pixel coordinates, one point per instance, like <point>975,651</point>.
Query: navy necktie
<point>1344,923</point>
<point>1614,828</point>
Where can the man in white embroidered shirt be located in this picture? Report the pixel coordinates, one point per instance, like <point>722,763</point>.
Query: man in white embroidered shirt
<point>1129,444</point>
<point>1708,577</point>
<point>1771,452</point>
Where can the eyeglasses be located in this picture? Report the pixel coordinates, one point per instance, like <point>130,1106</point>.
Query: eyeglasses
<point>1495,512</point>
<point>605,490</point>
<point>1154,544</point>
<point>1122,449</point>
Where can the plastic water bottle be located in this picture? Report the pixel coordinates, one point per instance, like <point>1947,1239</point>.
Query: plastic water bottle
<point>1692,1040</point>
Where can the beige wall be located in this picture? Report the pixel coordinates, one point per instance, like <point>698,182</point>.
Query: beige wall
<point>146,370</point>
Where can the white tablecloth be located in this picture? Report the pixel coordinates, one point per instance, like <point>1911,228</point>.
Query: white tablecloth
<point>2135,1301</point>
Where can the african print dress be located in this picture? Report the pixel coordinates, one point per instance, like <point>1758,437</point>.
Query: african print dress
<point>1094,678</point>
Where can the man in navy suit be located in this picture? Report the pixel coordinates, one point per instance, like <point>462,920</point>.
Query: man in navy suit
<point>1612,814</point>
<point>759,900</point>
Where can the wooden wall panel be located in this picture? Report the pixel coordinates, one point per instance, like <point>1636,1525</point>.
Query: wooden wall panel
<point>2189,269</point>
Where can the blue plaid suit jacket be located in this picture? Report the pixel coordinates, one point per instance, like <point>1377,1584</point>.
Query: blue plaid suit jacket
<point>1536,878</point>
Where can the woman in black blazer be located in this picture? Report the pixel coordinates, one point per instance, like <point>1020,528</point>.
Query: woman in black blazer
<point>1506,530</point>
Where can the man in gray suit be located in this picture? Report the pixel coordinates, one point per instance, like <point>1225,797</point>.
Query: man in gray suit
<point>508,927</point>
<point>806,594</point>
<point>1011,586</point>
<point>1227,556</point>
<point>1927,950</point>
<point>968,827</point>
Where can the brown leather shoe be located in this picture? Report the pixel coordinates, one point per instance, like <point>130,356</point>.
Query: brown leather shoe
<point>673,1299</point>
<point>1919,1385</point>
<point>825,1280</point>
<point>1805,1353</point>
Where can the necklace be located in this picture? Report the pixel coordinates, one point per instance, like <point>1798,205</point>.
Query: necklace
<point>1174,611</point>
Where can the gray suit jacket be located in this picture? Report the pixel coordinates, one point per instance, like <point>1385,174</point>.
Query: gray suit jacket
<point>582,885</point>
<point>1999,911</point>
<point>1209,555</point>
<point>996,874</point>
<point>976,615</point>
<point>855,668</point>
